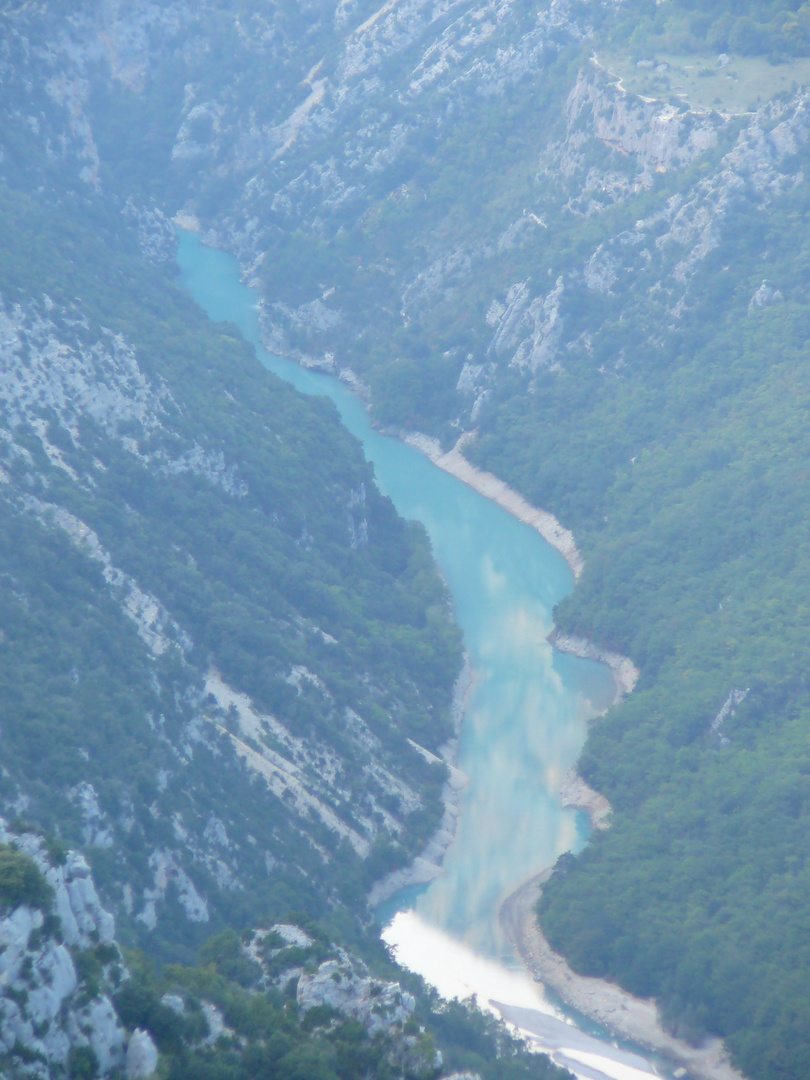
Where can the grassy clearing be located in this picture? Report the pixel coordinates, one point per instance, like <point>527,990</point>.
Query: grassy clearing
<point>740,85</point>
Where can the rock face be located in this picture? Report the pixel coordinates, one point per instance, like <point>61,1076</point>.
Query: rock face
<point>82,411</point>
<point>332,143</point>
<point>575,792</point>
<point>625,673</point>
<point>658,136</point>
<point>45,1010</point>
<point>398,79</point>
<point>142,1056</point>
<point>383,1008</point>
<point>378,1006</point>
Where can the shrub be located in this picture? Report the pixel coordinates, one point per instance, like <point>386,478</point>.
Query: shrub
<point>21,881</point>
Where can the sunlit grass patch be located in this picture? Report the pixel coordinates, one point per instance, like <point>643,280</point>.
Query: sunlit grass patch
<point>729,84</point>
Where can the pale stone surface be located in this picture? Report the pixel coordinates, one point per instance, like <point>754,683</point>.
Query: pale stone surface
<point>42,969</point>
<point>142,1056</point>
<point>622,1014</point>
<point>575,792</point>
<point>493,488</point>
<point>377,1005</point>
<point>625,672</point>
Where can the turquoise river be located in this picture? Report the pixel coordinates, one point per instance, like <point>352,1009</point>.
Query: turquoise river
<point>525,718</point>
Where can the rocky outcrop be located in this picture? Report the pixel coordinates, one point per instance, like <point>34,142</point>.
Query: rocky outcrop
<point>377,1005</point>
<point>527,330</point>
<point>307,775</point>
<point>383,1008</point>
<point>674,242</point>
<point>624,671</point>
<point>576,793</point>
<point>142,1056</point>
<point>735,698</point>
<point>49,366</point>
<point>765,296</point>
<point>658,136</point>
<point>45,1010</point>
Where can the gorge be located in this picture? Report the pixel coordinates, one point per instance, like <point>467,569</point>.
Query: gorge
<point>524,721</point>
<point>566,239</point>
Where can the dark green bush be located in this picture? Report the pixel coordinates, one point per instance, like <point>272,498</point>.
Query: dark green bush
<point>21,881</point>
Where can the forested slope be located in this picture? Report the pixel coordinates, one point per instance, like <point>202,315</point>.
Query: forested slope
<point>282,1002</point>
<point>181,528</point>
<point>218,639</point>
<point>580,231</point>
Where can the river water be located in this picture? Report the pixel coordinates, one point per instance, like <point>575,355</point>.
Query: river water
<point>524,723</point>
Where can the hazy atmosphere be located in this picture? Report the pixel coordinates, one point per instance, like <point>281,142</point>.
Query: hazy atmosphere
<point>404,501</point>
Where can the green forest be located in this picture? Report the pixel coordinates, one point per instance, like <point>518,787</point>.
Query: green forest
<point>652,254</point>
<point>79,690</point>
<point>254,600</point>
<point>686,482</point>
<point>269,1037</point>
<point>752,28</point>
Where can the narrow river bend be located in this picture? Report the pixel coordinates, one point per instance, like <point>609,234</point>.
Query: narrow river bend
<point>526,715</point>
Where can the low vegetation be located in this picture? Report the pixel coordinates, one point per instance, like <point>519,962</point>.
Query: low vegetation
<point>21,881</point>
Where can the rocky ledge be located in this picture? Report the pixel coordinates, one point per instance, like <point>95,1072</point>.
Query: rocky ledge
<point>51,921</point>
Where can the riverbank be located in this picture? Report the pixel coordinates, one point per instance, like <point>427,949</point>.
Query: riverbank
<point>616,1010</point>
<point>426,867</point>
<point>505,840</point>
<point>624,671</point>
<point>574,792</point>
<point>491,487</point>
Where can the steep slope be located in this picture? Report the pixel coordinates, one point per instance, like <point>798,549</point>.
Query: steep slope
<point>531,222</point>
<point>228,669</point>
<point>219,642</point>
<point>284,1001</point>
<point>59,961</point>
<point>218,636</point>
